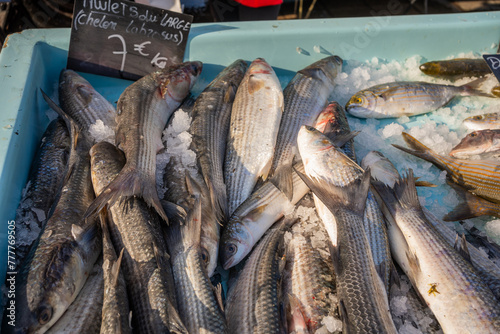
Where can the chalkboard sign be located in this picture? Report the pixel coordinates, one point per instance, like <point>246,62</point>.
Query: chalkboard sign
<point>493,62</point>
<point>124,39</point>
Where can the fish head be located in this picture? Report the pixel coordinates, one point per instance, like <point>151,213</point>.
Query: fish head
<point>431,68</point>
<point>381,168</point>
<point>209,254</point>
<point>362,105</point>
<point>311,142</point>
<point>260,75</point>
<point>236,243</point>
<point>325,117</point>
<point>481,122</point>
<point>51,286</point>
<point>74,84</point>
<point>476,142</point>
<point>177,81</point>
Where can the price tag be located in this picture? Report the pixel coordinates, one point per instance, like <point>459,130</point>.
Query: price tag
<point>493,62</point>
<point>124,39</point>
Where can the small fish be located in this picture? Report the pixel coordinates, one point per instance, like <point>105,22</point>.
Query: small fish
<point>254,125</point>
<point>444,279</point>
<point>481,177</point>
<point>83,103</point>
<point>198,306</point>
<point>454,69</point>
<point>252,304</point>
<point>396,99</point>
<point>485,143</point>
<point>304,97</point>
<point>483,122</point>
<point>84,314</point>
<point>143,111</point>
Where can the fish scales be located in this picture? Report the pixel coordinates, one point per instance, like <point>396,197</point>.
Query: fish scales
<point>62,258</point>
<point>310,280</point>
<point>447,283</point>
<point>252,302</point>
<point>84,314</point>
<point>210,126</point>
<point>363,300</point>
<point>255,216</point>
<point>304,98</point>
<point>255,120</point>
<point>198,306</point>
<point>136,229</point>
<point>143,111</point>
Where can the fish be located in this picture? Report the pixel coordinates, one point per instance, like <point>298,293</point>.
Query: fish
<point>382,170</point>
<point>84,314</point>
<point>454,69</point>
<point>266,205</point>
<point>115,308</point>
<point>308,283</point>
<point>45,180</point>
<point>143,111</point>
<point>363,302</point>
<point>485,143</point>
<point>255,120</point>
<point>481,177</point>
<point>198,306</point>
<point>182,182</point>
<point>83,103</point>
<point>318,150</point>
<point>444,279</point>
<point>396,99</point>
<point>210,126</point>
<point>305,96</point>
<point>136,228</point>
<point>252,304</point>
<point>471,206</point>
<point>62,258</point>
<point>483,122</point>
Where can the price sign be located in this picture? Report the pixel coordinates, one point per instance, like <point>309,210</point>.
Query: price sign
<point>124,39</point>
<point>493,62</point>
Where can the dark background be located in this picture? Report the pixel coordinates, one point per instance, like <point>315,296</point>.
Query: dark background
<point>17,15</point>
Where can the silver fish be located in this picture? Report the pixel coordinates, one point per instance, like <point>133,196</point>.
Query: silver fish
<point>45,180</point>
<point>255,120</point>
<point>135,228</point>
<point>255,216</point>
<point>198,306</point>
<point>143,111</point>
<point>363,300</point>
<point>209,128</point>
<point>483,122</point>
<point>444,279</point>
<point>485,143</point>
<point>83,103</point>
<point>304,98</point>
<point>252,305</point>
<point>396,99</point>
<point>84,314</point>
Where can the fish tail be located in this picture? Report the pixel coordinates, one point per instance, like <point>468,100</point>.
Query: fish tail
<point>472,88</point>
<point>420,150</point>
<point>218,198</point>
<point>471,206</point>
<point>283,180</point>
<point>129,182</point>
<point>184,233</point>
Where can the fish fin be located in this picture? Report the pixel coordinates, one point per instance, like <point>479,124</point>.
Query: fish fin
<point>353,196</point>
<point>394,277</point>
<point>255,84</point>
<point>347,326</point>
<point>313,72</point>
<point>419,150</point>
<point>335,255</point>
<point>185,233</point>
<point>461,247</point>
<point>264,172</point>
<point>173,211</point>
<point>414,264</point>
<point>472,88</point>
<point>115,269</point>
<point>425,184</point>
<point>389,92</point>
<point>469,207</point>
<point>406,192</point>
<point>218,197</point>
<point>298,317</point>
<point>130,320</point>
<point>230,93</point>
<point>218,296</point>
<point>129,182</point>
<point>381,270</point>
<point>83,235</point>
<point>283,180</point>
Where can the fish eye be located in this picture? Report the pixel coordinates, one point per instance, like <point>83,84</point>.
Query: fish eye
<point>231,249</point>
<point>205,256</point>
<point>44,314</point>
<point>478,117</point>
<point>356,99</point>
<point>473,134</point>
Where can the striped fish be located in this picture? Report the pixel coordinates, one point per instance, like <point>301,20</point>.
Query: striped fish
<point>483,122</point>
<point>481,177</point>
<point>396,99</point>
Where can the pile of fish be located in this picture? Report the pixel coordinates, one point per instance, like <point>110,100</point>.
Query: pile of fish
<point>222,245</point>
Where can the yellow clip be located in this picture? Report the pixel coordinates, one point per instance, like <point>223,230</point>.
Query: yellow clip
<point>433,289</point>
